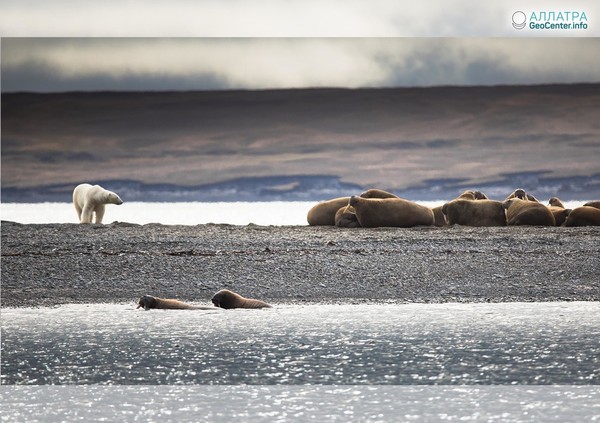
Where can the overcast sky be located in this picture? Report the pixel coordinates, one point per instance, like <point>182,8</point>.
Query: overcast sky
<point>282,18</point>
<point>65,64</point>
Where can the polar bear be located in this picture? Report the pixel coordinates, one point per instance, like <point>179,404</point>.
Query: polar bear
<point>88,199</point>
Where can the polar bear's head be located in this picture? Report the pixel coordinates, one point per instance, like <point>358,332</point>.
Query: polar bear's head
<point>112,198</point>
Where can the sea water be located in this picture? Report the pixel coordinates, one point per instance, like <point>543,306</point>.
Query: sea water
<point>348,344</point>
<point>367,362</point>
<point>278,213</point>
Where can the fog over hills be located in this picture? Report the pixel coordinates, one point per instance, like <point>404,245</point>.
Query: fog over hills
<point>304,144</point>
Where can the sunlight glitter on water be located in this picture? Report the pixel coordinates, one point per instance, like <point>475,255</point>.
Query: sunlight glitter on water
<point>390,344</point>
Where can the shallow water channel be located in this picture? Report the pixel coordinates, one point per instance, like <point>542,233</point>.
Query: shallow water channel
<point>389,344</point>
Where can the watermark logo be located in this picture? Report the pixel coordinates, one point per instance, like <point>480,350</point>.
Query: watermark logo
<point>550,20</point>
<point>519,20</point>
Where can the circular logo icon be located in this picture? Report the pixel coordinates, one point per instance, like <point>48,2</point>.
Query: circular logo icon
<point>519,20</point>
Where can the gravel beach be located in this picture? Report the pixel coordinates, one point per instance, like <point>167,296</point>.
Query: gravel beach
<point>50,264</point>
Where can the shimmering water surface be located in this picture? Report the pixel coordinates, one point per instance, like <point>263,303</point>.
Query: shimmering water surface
<point>285,403</point>
<point>385,344</point>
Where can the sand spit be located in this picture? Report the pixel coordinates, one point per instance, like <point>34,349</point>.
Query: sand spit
<point>50,264</point>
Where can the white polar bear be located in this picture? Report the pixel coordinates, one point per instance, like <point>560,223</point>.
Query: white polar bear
<point>88,199</point>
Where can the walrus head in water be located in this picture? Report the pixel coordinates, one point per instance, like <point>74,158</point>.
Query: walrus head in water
<point>147,301</point>
<point>228,299</point>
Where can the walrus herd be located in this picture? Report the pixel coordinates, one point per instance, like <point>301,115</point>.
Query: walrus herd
<point>378,208</point>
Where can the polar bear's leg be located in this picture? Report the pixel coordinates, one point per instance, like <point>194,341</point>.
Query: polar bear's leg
<point>87,213</point>
<point>78,210</point>
<point>99,213</point>
<point>76,202</point>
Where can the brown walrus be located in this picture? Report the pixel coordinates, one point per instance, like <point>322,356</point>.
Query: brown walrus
<point>377,193</point>
<point>560,214</point>
<point>520,193</point>
<point>595,204</point>
<point>228,299</point>
<point>346,218</point>
<point>472,195</point>
<point>558,210</point>
<point>583,216</point>
<point>148,302</point>
<point>323,213</point>
<point>527,212</point>
<point>390,212</point>
<point>474,212</point>
<point>555,202</point>
<point>480,195</point>
<point>439,217</point>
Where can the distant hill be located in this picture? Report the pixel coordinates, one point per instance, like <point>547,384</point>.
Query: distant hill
<point>314,188</point>
<point>422,143</point>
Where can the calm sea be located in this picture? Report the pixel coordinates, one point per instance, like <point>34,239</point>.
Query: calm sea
<point>534,362</point>
<point>190,213</point>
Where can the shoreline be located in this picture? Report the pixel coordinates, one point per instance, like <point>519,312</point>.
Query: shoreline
<point>52,264</point>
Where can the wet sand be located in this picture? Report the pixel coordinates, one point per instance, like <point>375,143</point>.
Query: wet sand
<point>50,264</point>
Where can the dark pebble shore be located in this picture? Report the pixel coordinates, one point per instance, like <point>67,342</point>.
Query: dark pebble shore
<point>50,264</point>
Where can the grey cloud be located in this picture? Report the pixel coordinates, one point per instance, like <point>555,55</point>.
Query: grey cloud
<point>42,77</point>
<point>51,65</point>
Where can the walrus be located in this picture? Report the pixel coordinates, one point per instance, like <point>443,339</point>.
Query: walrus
<point>555,202</point>
<point>583,216</point>
<point>558,210</point>
<point>438,216</point>
<point>323,213</point>
<point>474,212</point>
<point>228,299</point>
<point>346,218</point>
<point>521,194</point>
<point>390,212</point>
<point>377,193</point>
<point>480,195</point>
<point>527,212</point>
<point>595,204</point>
<point>148,302</point>
<point>560,214</point>
<point>467,195</point>
<point>472,195</point>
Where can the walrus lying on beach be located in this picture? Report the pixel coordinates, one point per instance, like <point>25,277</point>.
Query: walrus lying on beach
<point>472,195</point>
<point>558,210</point>
<point>228,299</point>
<point>520,193</point>
<point>439,219</point>
<point>467,214</point>
<point>377,193</point>
<point>583,216</point>
<point>555,202</point>
<point>474,213</point>
<point>323,213</point>
<point>346,218</point>
<point>527,212</point>
<point>327,213</point>
<point>148,302</point>
<point>595,204</point>
<point>390,212</point>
